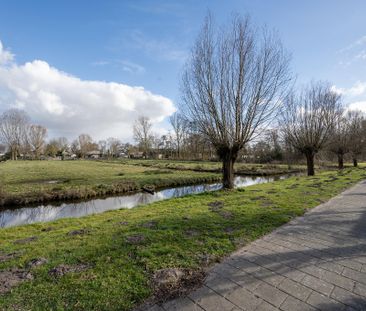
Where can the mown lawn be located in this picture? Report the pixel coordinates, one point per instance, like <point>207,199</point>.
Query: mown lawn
<point>115,254</point>
<point>39,181</point>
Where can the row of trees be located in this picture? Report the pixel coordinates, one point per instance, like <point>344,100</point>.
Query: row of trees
<point>237,82</point>
<point>19,135</point>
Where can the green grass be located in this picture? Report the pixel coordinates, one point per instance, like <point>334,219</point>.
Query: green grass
<point>40,181</point>
<point>207,166</point>
<point>120,273</point>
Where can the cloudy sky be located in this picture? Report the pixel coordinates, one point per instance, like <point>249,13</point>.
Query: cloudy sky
<point>93,66</point>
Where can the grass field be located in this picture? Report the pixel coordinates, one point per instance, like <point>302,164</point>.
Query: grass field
<point>107,261</point>
<point>40,181</point>
<point>207,166</point>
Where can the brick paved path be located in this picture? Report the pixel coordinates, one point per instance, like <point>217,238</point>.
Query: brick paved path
<point>316,262</point>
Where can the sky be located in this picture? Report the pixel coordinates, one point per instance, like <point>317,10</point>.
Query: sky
<point>94,66</point>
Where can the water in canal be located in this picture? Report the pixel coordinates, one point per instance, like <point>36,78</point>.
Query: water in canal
<point>44,213</point>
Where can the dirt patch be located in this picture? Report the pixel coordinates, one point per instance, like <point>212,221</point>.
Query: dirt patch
<point>150,224</point>
<point>174,282</point>
<point>47,229</point>
<point>122,223</point>
<point>36,262</point>
<point>26,240</point>
<point>226,214</point>
<point>63,269</point>
<point>13,277</point>
<point>258,198</point>
<point>294,186</point>
<point>216,204</point>
<point>316,185</point>
<point>266,203</point>
<point>135,239</point>
<point>191,233</point>
<point>9,256</point>
<point>78,232</point>
<point>229,230</point>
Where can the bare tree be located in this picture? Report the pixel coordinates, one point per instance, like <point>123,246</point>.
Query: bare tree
<point>13,130</point>
<point>309,119</point>
<point>142,133</point>
<point>340,140</point>
<point>357,134</point>
<point>36,138</point>
<point>232,86</point>
<point>113,146</point>
<point>179,125</point>
<point>86,144</point>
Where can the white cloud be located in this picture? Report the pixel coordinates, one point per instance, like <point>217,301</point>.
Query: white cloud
<point>360,105</point>
<point>131,67</point>
<point>5,56</point>
<point>359,88</point>
<point>355,96</point>
<point>360,41</point>
<point>68,106</point>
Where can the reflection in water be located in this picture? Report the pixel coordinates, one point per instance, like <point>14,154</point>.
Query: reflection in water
<point>44,213</point>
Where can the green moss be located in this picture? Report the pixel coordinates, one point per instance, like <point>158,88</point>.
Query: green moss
<point>185,232</point>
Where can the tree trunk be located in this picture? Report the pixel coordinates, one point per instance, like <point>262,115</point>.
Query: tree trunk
<point>340,161</point>
<point>355,163</point>
<point>310,163</point>
<point>228,157</point>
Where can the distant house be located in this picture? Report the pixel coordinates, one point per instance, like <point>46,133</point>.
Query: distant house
<point>95,154</point>
<point>137,155</point>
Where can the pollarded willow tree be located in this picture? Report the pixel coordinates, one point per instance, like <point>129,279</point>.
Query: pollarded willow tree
<point>232,85</point>
<point>309,119</point>
<point>340,140</point>
<point>357,134</point>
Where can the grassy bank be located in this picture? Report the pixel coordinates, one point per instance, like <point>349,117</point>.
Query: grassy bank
<point>107,261</point>
<point>216,167</point>
<point>25,182</point>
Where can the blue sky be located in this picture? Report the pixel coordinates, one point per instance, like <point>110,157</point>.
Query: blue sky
<point>145,43</point>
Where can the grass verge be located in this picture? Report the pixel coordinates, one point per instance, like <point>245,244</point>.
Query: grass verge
<point>107,261</point>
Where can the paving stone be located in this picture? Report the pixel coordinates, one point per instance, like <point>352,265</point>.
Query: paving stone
<point>317,285</point>
<point>293,304</point>
<point>270,294</point>
<point>360,289</point>
<point>244,299</point>
<point>247,281</point>
<point>323,302</point>
<point>355,275</point>
<point>295,289</point>
<point>350,264</point>
<point>338,280</point>
<point>268,276</point>
<point>209,300</point>
<point>220,285</point>
<point>265,306</point>
<point>156,308</point>
<point>181,304</point>
<point>349,298</point>
<point>331,266</point>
